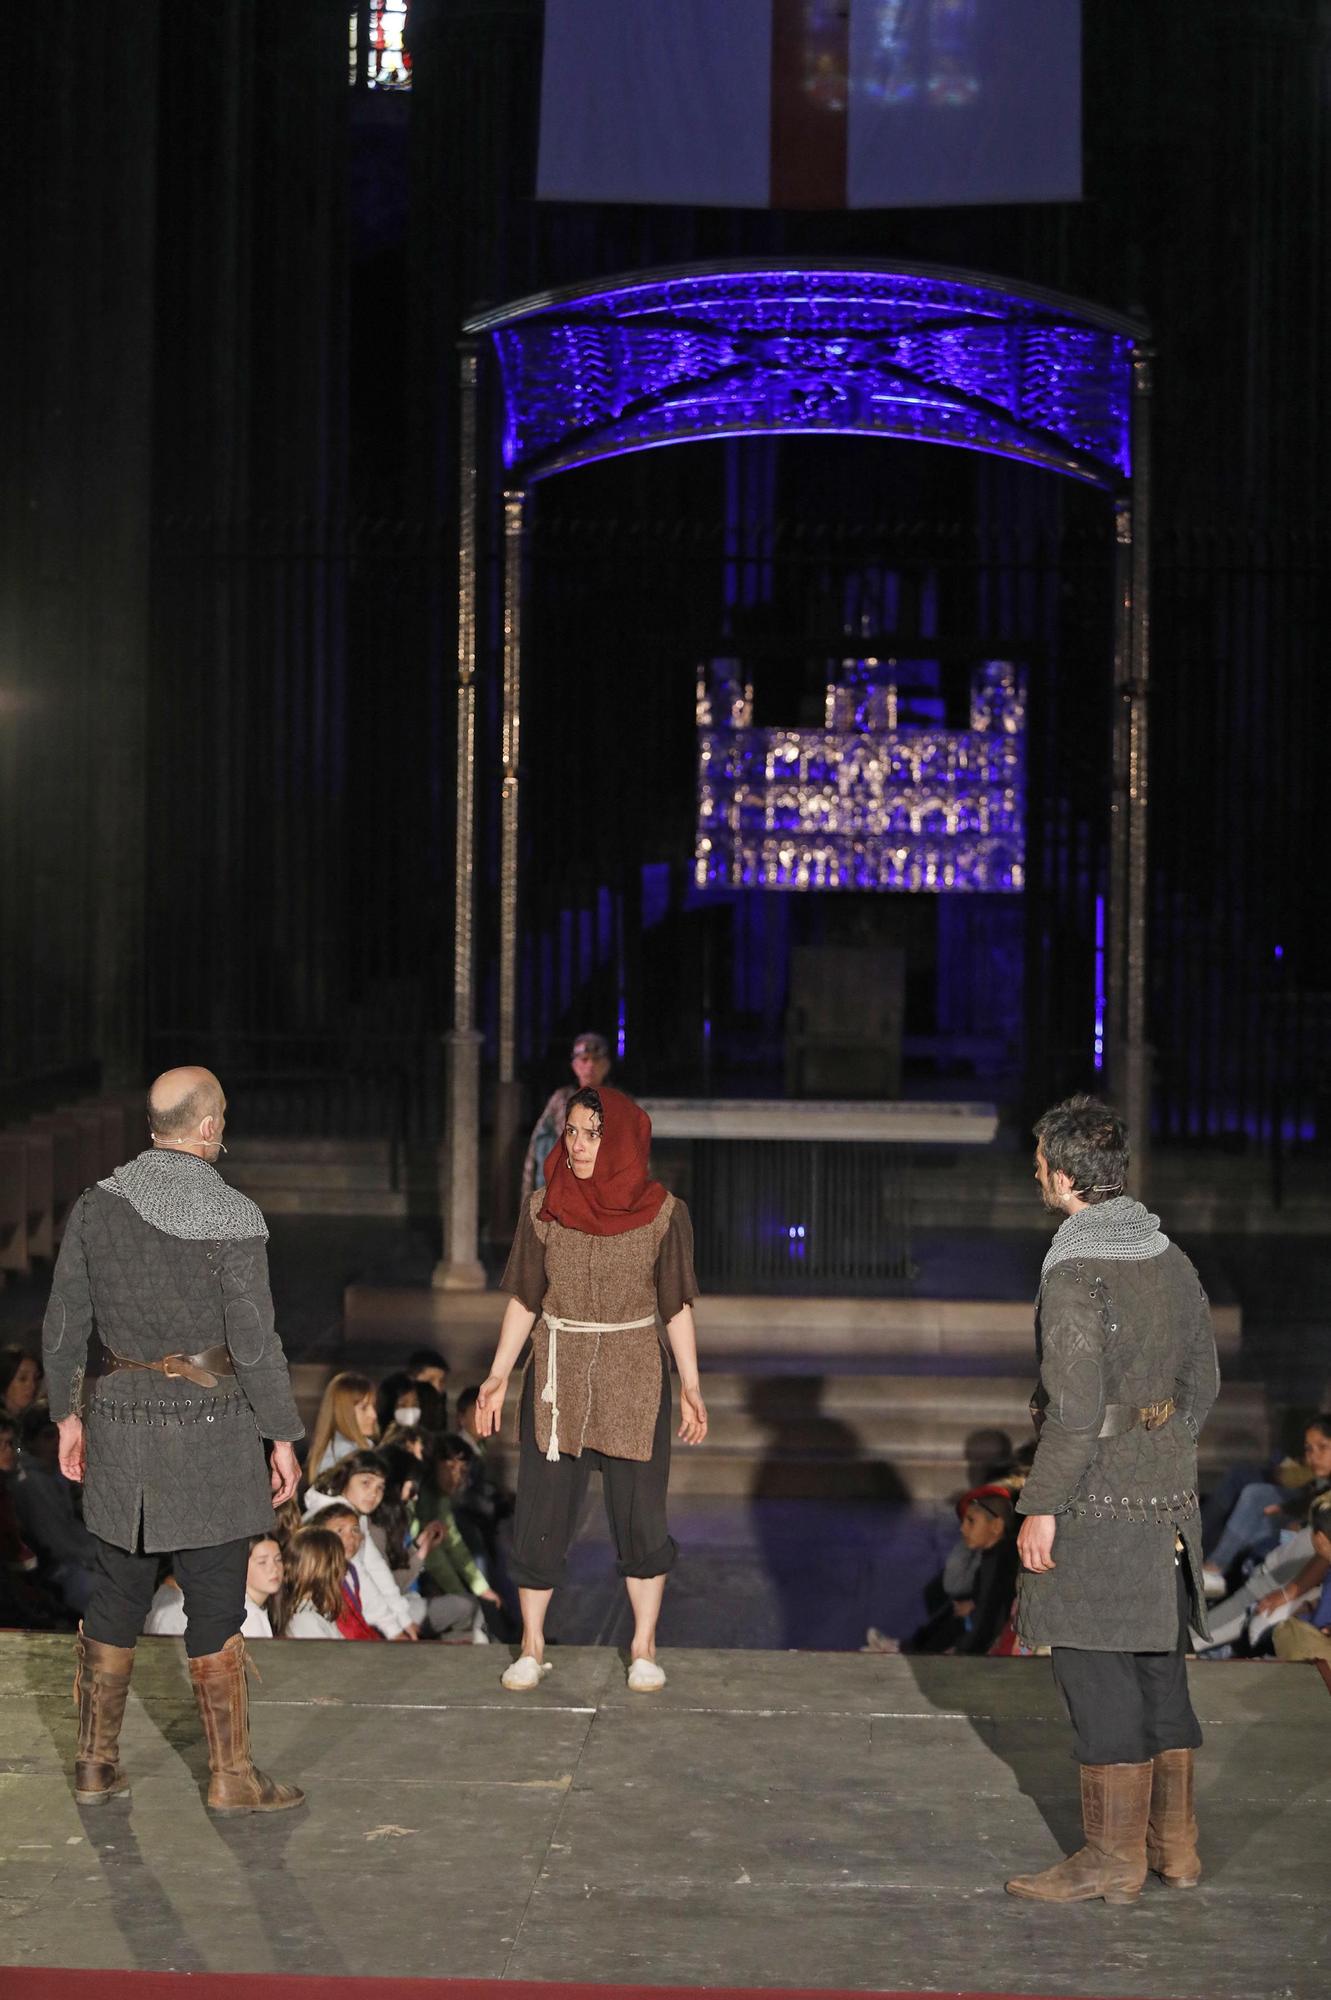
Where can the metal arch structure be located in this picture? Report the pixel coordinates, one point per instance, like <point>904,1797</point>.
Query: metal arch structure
<point>792,347</point>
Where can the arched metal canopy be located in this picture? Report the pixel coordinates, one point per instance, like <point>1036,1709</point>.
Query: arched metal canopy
<point>860,347</point>
<point>863,348</point>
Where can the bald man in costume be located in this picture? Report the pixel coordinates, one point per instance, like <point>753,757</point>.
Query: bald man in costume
<point>160,1300</point>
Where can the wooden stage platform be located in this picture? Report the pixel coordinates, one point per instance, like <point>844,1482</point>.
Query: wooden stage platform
<point>826,1821</point>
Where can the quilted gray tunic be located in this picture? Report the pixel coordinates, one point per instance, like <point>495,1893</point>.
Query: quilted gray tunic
<point>184,1466</point>
<point>1118,1332</point>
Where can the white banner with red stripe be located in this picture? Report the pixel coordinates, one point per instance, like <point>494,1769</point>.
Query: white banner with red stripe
<point>811,103</point>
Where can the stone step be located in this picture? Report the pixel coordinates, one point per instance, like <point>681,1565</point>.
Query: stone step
<point>884,1436</point>
<point>993,1330</point>
<point>344,1202</point>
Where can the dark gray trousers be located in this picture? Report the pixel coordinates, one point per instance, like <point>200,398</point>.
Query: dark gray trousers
<point>550,1502</point>
<point>1128,1707</point>
<point>212,1582</point>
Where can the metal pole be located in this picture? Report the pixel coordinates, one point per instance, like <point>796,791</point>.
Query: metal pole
<point>460,1267</point>
<point>508,1108</point>
<point>1116,899</point>
<point>1137,1053</point>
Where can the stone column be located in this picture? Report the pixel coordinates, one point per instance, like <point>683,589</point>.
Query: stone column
<point>460,1268</point>
<point>507,1155</point>
<point>1136,1076</point>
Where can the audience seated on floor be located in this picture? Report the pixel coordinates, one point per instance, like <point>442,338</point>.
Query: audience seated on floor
<point>263,1587</point>
<point>46,1507</point>
<point>361,1480</point>
<point>347,1422</point>
<point>1265,1510</point>
<point>973,1597</point>
<point>1307,1635</point>
<point>315,1567</point>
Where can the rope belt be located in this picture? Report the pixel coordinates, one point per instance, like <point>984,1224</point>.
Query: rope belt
<point>550,1393</point>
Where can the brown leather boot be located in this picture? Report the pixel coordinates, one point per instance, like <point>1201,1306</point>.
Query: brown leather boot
<point>1171,1839</point>
<point>101,1689</point>
<point>223,1695</point>
<point>1115,1807</point>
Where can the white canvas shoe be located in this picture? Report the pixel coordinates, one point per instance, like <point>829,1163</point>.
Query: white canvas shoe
<point>645,1677</point>
<point>1213,1582</point>
<point>524,1674</point>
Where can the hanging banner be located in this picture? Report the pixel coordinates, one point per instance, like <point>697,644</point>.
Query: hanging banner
<point>811,103</point>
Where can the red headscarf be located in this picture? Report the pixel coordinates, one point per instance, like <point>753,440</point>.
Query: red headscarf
<point>618,1196</point>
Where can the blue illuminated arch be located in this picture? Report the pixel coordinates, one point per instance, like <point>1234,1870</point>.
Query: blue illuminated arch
<point>862,348</point>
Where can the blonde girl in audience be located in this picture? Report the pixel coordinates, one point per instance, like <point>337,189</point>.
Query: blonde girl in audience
<point>316,1566</point>
<point>346,1422</point>
<point>263,1590</point>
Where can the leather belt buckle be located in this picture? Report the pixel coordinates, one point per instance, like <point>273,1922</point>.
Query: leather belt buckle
<point>1156,1415</point>
<point>179,1368</point>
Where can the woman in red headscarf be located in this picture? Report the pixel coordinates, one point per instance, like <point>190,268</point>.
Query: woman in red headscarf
<point>601,1250</point>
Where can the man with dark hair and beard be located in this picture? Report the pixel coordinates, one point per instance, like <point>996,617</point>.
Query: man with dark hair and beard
<point>1111,1546</point>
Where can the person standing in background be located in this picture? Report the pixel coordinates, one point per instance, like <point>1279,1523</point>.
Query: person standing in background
<point>590,1060</point>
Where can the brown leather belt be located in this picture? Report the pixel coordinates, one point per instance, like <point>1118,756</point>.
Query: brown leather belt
<point>202,1369</point>
<point>1119,1418</point>
<point>1123,1417</point>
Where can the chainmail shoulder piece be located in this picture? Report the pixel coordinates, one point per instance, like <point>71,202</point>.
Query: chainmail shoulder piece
<point>1120,1230</point>
<point>182,1195</point>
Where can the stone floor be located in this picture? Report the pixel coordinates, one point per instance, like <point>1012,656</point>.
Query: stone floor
<point>768,1820</point>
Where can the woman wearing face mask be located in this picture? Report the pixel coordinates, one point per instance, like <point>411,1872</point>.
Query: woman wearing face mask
<point>599,1253</point>
<point>263,1584</point>
<point>398,1405</point>
<point>360,1480</point>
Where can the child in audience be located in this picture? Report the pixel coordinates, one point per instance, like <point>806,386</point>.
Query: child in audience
<point>459,1592</point>
<point>347,1422</point>
<point>360,1480</point>
<point>315,1567</point>
<point>1263,1513</point>
<point>344,1522</point>
<point>429,1371</point>
<point>395,1525</point>
<point>263,1586</point>
<point>978,1583</point>
<point>1307,1636</point>
<point>398,1404</point>
<point>20,1381</point>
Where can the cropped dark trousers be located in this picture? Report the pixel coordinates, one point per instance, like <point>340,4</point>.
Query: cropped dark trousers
<point>1128,1707</point>
<point>212,1582</point>
<point>550,1501</point>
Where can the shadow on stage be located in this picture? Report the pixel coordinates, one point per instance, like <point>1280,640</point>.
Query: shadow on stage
<point>157,1928</point>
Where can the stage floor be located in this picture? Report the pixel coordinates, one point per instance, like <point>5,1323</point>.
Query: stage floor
<point>770,1819</point>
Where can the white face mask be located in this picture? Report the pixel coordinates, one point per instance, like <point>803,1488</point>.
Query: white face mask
<point>407,1414</point>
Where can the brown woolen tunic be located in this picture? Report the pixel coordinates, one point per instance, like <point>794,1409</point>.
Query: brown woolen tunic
<point>609,1383</point>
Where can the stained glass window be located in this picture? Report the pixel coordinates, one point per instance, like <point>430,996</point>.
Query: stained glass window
<point>378,53</point>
